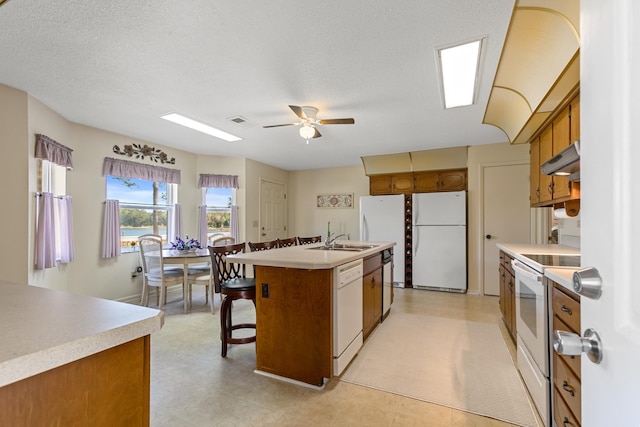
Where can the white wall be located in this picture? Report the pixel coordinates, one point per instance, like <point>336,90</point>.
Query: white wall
<point>308,220</point>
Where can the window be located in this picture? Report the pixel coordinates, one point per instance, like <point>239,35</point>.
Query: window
<point>218,202</point>
<point>144,208</point>
<point>53,179</point>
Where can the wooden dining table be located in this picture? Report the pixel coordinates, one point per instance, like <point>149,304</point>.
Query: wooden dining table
<point>186,258</point>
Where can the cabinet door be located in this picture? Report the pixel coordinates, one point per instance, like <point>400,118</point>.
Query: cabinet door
<point>575,119</point>
<point>368,283</point>
<point>379,185</point>
<point>534,184</point>
<point>402,183</point>
<point>546,152</point>
<point>425,182</point>
<point>503,291</point>
<point>453,180</point>
<point>561,140</point>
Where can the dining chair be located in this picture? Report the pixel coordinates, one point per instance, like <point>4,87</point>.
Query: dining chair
<point>154,272</point>
<point>283,243</point>
<point>223,241</point>
<point>230,279</point>
<point>263,246</point>
<point>309,240</point>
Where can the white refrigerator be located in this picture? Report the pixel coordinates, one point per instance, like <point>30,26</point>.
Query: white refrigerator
<point>382,220</point>
<point>439,241</point>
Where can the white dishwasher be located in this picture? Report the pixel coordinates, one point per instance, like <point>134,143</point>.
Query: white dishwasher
<point>347,314</point>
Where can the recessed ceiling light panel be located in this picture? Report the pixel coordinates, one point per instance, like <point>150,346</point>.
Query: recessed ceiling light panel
<point>458,68</point>
<point>200,127</point>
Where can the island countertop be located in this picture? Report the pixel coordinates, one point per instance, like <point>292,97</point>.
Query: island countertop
<point>43,329</point>
<point>305,257</point>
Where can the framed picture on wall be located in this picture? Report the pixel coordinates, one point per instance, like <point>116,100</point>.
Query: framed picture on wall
<point>337,200</point>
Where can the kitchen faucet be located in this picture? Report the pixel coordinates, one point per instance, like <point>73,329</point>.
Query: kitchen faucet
<point>331,239</point>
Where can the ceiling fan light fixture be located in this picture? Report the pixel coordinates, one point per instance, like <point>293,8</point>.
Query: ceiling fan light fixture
<point>307,132</point>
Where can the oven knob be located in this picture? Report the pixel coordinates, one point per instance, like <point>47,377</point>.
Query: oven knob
<point>587,282</point>
<point>570,344</point>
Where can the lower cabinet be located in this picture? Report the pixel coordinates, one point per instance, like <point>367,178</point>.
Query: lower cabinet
<point>507,293</point>
<point>372,286</point>
<point>567,408</point>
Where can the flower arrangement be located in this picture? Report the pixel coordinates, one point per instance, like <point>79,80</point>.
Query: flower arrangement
<point>185,245</point>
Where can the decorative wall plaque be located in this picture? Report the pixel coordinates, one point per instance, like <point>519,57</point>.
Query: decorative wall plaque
<point>141,151</point>
<point>344,200</point>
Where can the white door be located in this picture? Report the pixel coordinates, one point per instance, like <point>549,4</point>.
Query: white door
<point>272,211</point>
<point>610,207</point>
<point>506,214</point>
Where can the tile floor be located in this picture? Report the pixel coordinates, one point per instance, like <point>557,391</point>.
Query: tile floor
<point>191,385</point>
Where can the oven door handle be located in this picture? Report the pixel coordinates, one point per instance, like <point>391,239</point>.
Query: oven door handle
<point>526,271</point>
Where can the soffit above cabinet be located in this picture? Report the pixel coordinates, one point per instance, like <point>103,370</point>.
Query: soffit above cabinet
<point>415,161</point>
<point>539,68</point>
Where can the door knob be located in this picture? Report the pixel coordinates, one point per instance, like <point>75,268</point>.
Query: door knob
<point>488,236</point>
<point>587,282</point>
<point>570,344</point>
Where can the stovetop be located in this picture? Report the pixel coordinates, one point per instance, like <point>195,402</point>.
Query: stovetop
<point>555,260</point>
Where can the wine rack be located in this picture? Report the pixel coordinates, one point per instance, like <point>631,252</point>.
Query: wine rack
<point>408,237</point>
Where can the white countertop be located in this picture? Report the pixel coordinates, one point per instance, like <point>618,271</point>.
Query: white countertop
<point>43,328</point>
<point>562,276</point>
<point>515,249</point>
<point>304,257</point>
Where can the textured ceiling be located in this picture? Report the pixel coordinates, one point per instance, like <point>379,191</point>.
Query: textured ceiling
<point>119,65</point>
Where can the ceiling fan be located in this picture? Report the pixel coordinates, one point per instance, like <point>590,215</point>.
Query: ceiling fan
<point>308,121</point>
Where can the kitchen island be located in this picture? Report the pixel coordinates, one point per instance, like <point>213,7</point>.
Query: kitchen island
<point>296,307</point>
<point>68,359</point>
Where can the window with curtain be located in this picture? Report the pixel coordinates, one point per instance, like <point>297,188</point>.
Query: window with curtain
<point>54,213</point>
<point>218,199</point>
<point>144,208</point>
<point>146,195</point>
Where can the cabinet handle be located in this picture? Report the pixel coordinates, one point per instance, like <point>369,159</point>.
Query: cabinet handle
<point>538,192</point>
<point>566,423</point>
<point>566,309</point>
<point>566,387</point>
<point>550,188</point>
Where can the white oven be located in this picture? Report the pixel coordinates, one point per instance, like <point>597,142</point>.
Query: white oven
<point>532,327</point>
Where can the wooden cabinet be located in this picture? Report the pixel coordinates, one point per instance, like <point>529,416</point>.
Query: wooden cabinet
<point>418,182</point>
<point>291,299</point>
<point>402,183</point>
<point>547,190</point>
<point>372,286</point>
<point>105,389</point>
<point>379,184</point>
<point>565,306</point>
<point>445,180</point>
<point>507,293</point>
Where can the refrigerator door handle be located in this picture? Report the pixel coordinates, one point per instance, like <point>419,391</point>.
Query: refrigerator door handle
<point>365,229</point>
<point>415,241</point>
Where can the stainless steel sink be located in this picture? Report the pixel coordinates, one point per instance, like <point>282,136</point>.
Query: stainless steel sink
<point>344,247</point>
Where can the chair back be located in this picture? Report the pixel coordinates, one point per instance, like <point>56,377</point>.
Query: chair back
<point>223,241</point>
<point>309,240</point>
<point>263,246</point>
<point>223,271</point>
<point>283,243</point>
<point>151,255</point>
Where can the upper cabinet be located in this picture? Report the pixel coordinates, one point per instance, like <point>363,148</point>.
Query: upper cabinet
<point>563,130</point>
<point>418,182</point>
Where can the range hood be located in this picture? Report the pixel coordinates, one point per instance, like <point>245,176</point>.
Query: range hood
<point>565,163</point>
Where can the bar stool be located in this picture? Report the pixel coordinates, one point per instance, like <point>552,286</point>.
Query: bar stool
<point>231,281</point>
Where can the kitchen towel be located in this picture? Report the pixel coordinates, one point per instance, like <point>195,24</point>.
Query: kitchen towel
<point>456,363</point>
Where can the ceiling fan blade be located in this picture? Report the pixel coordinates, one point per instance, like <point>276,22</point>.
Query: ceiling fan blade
<point>277,126</point>
<point>317,134</point>
<point>298,111</point>
<point>336,122</point>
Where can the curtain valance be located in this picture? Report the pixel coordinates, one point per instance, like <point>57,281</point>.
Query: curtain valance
<point>127,169</point>
<point>217,181</point>
<point>48,149</point>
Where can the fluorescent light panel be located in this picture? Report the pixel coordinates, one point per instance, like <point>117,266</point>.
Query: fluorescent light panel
<point>200,127</point>
<point>459,73</point>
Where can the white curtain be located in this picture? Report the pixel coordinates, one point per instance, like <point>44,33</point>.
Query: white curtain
<point>203,233</point>
<point>65,216</point>
<point>233,226</point>
<point>175,223</point>
<point>45,247</point>
<point>111,229</point>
